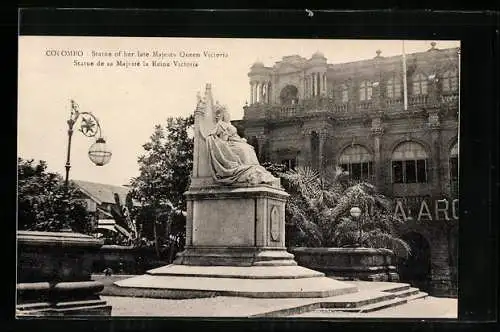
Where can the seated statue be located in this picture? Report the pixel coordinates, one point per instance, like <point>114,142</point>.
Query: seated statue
<point>231,158</point>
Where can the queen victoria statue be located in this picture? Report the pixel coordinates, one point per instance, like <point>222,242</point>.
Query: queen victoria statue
<point>220,152</point>
<point>235,225</point>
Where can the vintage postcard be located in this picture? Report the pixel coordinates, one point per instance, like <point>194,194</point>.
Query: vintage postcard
<point>226,177</point>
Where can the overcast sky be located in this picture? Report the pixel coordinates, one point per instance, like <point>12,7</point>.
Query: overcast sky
<point>129,101</point>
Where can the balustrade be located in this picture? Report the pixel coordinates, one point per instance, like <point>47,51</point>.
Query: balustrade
<point>451,98</point>
<point>418,99</point>
<point>318,105</point>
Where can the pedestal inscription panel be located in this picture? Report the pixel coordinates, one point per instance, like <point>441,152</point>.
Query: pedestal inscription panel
<point>225,222</point>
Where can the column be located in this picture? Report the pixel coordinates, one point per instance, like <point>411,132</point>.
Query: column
<point>264,93</point>
<point>324,83</point>
<point>251,93</point>
<point>435,126</point>
<point>261,139</point>
<point>377,132</point>
<point>307,86</point>
<point>304,158</point>
<point>440,270</point>
<point>269,92</point>
<point>257,86</point>
<point>323,136</point>
<point>314,84</point>
<point>320,86</point>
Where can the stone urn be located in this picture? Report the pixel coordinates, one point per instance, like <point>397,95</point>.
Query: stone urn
<point>54,275</point>
<point>356,263</point>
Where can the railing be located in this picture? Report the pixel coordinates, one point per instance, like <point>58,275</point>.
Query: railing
<point>393,101</point>
<point>339,108</point>
<point>418,100</point>
<point>282,112</point>
<point>448,99</point>
<point>365,105</point>
<point>320,105</point>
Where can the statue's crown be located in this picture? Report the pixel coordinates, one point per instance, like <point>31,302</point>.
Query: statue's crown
<point>219,107</point>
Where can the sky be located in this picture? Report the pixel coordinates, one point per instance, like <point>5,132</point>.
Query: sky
<point>130,100</point>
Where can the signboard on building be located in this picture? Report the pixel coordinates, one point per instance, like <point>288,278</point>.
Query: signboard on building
<point>425,208</point>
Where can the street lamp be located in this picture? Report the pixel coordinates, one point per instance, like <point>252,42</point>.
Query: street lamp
<point>98,152</point>
<point>356,213</point>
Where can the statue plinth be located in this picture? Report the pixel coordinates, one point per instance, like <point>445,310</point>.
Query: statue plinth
<point>236,226</point>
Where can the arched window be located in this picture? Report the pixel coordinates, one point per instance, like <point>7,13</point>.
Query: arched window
<point>289,95</point>
<point>419,84</point>
<point>365,91</point>
<point>454,169</point>
<point>344,93</point>
<point>394,88</point>
<point>449,81</point>
<point>409,163</point>
<point>358,161</point>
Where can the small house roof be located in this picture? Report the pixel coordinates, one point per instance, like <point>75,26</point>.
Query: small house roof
<point>103,193</point>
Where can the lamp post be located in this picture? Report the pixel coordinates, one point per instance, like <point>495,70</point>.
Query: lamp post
<point>356,213</point>
<point>98,152</point>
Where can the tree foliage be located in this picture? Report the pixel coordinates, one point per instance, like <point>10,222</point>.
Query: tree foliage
<point>42,201</point>
<point>166,165</point>
<point>165,169</point>
<point>319,211</point>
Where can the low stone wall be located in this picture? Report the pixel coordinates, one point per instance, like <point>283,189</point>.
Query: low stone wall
<point>349,263</point>
<point>54,275</point>
<point>126,260</point>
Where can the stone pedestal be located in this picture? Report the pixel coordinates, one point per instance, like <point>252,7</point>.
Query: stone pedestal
<point>54,275</point>
<point>235,246</point>
<point>350,263</point>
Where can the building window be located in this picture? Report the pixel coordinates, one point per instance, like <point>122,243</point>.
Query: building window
<point>454,170</point>
<point>393,88</point>
<point>358,161</point>
<point>419,84</point>
<point>365,91</point>
<point>289,163</point>
<point>449,81</point>
<point>344,93</point>
<point>409,163</point>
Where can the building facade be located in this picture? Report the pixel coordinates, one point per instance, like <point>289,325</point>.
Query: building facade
<point>307,112</point>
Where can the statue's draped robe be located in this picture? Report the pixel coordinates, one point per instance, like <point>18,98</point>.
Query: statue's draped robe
<point>232,160</point>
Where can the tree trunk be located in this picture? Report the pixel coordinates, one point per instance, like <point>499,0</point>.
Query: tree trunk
<point>157,245</point>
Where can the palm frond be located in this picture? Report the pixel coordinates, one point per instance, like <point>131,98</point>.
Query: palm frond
<point>304,179</point>
<point>379,239</point>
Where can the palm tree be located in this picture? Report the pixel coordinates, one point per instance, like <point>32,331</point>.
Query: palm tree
<point>319,204</point>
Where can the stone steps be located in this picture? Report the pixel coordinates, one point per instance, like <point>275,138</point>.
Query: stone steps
<point>394,298</point>
<point>365,301</point>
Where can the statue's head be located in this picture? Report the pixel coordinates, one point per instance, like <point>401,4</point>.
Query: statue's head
<point>221,113</point>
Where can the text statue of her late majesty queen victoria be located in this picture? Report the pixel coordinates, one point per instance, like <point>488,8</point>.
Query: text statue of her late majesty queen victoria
<point>220,151</point>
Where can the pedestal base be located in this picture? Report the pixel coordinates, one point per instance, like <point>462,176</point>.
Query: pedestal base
<point>182,281</point>
<point>235,246</point>
<point>235,256</point>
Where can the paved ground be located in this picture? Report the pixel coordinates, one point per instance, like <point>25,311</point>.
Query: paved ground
<point>429,307</point>
<point>222,306</point>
